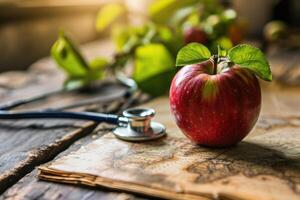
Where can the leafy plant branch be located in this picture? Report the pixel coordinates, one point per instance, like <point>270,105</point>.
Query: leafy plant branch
<point>151,47</point>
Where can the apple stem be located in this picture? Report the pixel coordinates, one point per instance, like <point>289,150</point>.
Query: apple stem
<point>215,63</point>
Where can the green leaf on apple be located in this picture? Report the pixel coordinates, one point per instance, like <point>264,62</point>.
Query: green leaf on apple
<point>154,68</point>
<point>192,53</point>
<point>251,58</point>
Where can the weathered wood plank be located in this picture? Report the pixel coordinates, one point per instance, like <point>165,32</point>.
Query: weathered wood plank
<point>27,143</point>
<point>23,149</point>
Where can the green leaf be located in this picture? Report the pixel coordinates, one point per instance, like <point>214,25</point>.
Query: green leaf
<point>172,39</point>
<point>158,84</point>
<point>120,36</point>
<point>98,64</point>
<point>154,68</point>
<point>161,10</point>
<point>165,34</point>
<point>224,42</point>
<point>251,58</point>
<point>68,57</point>
<point>97,67</point>
<point>109,14</point>
<point>192,53</point>
<point>126,38</point>
<point>185,14</point>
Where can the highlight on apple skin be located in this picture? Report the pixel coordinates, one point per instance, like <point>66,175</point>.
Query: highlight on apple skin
<point>215,109</point>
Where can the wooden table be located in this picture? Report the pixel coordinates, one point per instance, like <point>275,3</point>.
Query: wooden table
<point>26,144</point>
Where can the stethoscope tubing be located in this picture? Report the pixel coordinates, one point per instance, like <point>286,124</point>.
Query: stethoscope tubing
<point>59,114</point>
<point>96,117</point>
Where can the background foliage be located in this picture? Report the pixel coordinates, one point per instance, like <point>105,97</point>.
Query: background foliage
<point>152,46</point>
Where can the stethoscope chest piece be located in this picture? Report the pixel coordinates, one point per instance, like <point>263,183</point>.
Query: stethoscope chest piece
<point>136,126</point>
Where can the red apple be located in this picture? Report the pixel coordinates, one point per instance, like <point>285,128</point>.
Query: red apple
<point>215,109</point>
<point>194,34</point>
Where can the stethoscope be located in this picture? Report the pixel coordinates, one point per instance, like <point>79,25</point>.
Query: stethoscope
<point>133,125</point>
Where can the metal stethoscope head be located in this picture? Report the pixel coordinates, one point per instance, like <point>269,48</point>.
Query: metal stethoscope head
<point>134,125</point>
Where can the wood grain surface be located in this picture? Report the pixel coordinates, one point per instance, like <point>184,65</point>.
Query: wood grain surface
<point>28,143</point>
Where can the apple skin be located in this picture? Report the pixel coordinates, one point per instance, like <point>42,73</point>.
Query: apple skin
<point>215,110</point>
<point>194,34</point>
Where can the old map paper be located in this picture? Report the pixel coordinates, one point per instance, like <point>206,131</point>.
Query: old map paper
<point>265,166</point>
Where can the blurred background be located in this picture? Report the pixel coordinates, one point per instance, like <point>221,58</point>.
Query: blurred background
<point>28,28</point>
